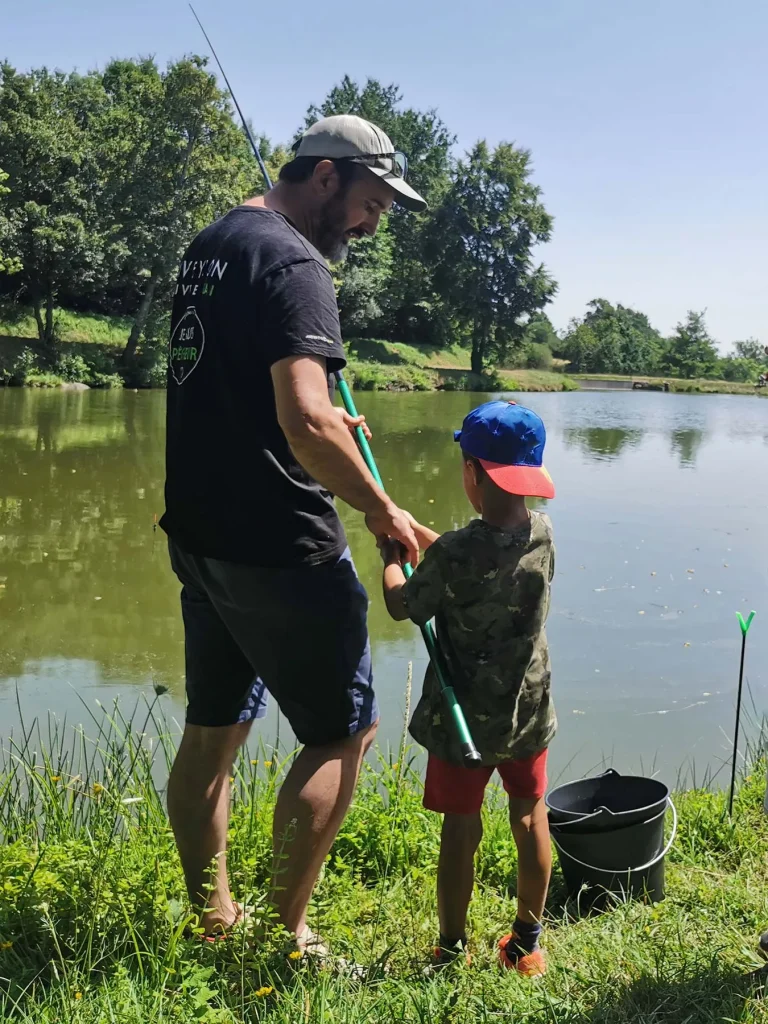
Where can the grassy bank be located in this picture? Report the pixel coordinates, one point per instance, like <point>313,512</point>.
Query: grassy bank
<point>90,348</point>
<point>698,385</point>
<point>395,366</point>
<point>92,914</point>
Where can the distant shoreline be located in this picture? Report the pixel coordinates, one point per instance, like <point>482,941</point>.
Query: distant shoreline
<point>91,347</point>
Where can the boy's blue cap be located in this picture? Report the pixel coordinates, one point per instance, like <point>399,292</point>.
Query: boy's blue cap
<point>508,441</point>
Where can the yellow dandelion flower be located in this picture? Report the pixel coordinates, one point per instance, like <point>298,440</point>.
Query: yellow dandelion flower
<point>5,945</point>
<point>231,778</point>
<point>297,954</point>
<point>395,766</point>
<point>254,762</point>
<point>267,764</point>
<point>55,778</point>
<point>97,788</point>
<point>265,990</point>
<point>78,995</point>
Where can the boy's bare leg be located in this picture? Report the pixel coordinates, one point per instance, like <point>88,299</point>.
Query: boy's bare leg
<point>310,809</point>
<point>530,827</point>
<point>198,806</point>
<point>456,873</point>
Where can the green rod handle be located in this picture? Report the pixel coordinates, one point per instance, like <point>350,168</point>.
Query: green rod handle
<point>468,749</point>
<point>362,440</point>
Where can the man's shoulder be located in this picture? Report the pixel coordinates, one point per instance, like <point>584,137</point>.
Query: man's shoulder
<point>262,236</point>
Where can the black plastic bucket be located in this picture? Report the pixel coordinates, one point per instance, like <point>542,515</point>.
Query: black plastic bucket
<point>607,847</point>
<point>625,799</point>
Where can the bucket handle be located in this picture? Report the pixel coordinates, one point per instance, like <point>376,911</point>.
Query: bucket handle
<point>627,871</point>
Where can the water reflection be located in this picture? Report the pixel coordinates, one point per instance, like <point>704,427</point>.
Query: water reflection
<point>87,598</point>
<point>685,444</point>
<point>603,442</point>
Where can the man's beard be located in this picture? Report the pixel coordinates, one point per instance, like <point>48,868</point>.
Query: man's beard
<point>330,234</point>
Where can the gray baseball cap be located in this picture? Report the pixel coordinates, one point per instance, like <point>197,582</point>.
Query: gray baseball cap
<point>347,137</point>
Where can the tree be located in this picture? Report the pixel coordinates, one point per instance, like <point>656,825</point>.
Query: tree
<point>691,352</point>
<point>177,162</point>
<point>751,349</point>
<point>50,224</point>
<point>362,282</point>
<point>8,265</point>
<point>612,339</point>
<point>406,298</point>
<point>581,348</point>
<point>481,240</point>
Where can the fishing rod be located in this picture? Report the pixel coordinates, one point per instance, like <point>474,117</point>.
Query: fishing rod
<point>246,129</point>
<point>468,749</point>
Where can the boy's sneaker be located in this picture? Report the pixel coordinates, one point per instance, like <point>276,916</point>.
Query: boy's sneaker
<point>514,958</point>
<point>448,956</point>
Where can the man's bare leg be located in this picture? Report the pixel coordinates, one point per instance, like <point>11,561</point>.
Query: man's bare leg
<point>198,806</point>
<point>310,808</point>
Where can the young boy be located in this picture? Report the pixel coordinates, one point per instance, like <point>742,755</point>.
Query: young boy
<point>487,586</point>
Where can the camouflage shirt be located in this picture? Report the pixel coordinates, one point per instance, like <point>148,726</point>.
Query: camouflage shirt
<point>488,590</point>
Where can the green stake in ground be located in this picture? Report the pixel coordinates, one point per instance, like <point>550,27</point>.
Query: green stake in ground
<point>744,625</point>
<point>468,749</point>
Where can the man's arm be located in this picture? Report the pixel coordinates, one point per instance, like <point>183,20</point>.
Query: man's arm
<point>323,445</point>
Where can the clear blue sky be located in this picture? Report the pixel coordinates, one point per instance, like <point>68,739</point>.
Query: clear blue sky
<point>646,118</point>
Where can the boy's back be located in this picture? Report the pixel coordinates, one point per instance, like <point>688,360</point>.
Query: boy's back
<point>488,589</point>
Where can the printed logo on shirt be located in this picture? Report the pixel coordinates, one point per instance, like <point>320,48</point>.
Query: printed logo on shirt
<point>318,337</point>
<point>187,344</point>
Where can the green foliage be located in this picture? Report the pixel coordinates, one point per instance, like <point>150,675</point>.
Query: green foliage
<point>94,916</point>
<point>23,366</point>
<point>751,349</point>
<point>407,305</point>
<point>8,265</point>
<point>734,368</point>
<point>691,351</point>
<point>483,235</point>
<point>376,377</point>
<point>612,339</point>
<point>365,277</point>
<point>538,357</point>
<point>49,219</point>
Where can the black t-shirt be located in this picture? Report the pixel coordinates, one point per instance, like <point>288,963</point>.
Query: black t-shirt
<point>251,291</point>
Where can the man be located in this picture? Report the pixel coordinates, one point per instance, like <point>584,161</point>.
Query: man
<point>255,452</point>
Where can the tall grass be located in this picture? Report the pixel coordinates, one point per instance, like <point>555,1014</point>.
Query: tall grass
<point>94,925</point>
<point>19,322</point>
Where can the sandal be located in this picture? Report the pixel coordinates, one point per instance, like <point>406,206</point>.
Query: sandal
<point>530,965</point>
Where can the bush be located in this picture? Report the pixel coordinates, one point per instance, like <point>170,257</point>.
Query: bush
<point>72,368</point>
<point>23,366</point>
<point>492,380</point>
<point>106,380</point>
<point>538,357</point>
<point>737,370</point>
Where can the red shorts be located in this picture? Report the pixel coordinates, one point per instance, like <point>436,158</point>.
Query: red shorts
<point>453,789</point>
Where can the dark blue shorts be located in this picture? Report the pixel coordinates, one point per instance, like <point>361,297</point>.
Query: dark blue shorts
<point>300,634</point>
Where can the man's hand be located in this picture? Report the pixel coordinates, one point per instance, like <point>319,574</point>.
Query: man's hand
<point>394,523</point>
<point>424,535</point>
<point>351,422</point>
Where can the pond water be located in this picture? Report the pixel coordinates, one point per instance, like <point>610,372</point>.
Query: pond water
<point>661,531</point>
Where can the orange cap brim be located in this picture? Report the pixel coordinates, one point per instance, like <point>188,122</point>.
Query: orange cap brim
<point>528,481</point>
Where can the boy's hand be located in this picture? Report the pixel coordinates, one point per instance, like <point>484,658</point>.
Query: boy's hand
<point>351,422</point>
<point>392,551</point>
